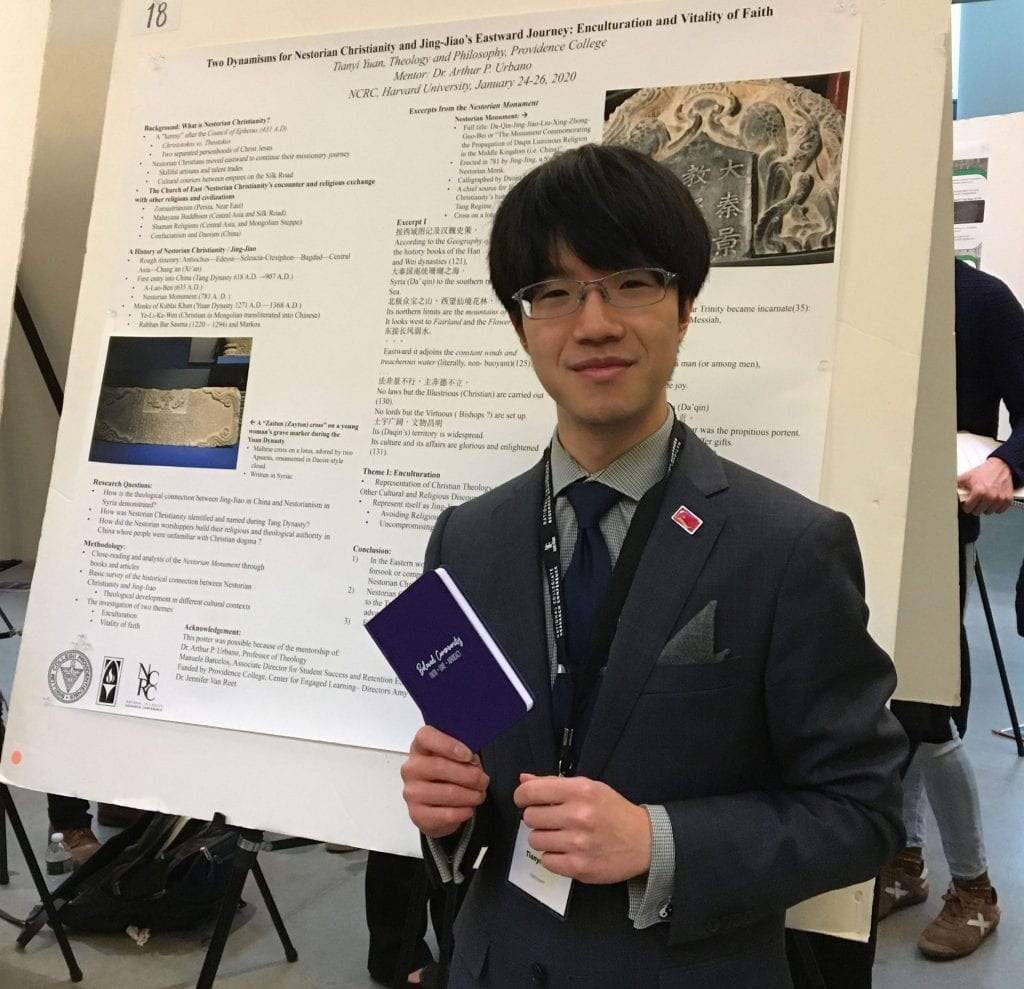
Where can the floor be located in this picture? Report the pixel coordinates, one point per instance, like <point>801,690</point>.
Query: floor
<point>1000,776</point>
<point>320,894</point>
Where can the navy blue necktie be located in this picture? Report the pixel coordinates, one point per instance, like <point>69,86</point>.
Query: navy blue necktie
<point>583,585</point>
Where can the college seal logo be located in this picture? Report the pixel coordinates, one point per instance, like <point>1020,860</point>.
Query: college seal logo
<point>69,676</point>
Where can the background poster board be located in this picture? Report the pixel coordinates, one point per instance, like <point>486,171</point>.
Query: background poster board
<point>357,799</point>
<point>970,179</point>
<point>22,39</point>
<point>1000,139</point>
<point>306,338</point>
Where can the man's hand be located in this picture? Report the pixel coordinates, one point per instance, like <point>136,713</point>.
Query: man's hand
<point>444,783</point>
<point>584,828</point>
<point>986,489</point>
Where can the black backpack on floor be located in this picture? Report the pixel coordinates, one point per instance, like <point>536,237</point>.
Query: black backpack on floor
<point>165,873</point>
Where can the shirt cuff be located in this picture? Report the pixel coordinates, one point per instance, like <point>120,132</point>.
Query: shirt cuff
<point>650,895</point>
<point>449,863</point>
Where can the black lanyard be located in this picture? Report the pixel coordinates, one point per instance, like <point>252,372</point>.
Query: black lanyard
<point>585,678</point>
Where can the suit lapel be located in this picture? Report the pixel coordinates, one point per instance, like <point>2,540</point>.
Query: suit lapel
<point>669,568</point>
<point>518,620</point>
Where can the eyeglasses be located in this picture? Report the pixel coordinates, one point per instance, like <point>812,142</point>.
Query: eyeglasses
<point>629,289</point>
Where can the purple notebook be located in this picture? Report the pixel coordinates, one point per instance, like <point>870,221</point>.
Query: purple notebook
<point>453,669</point>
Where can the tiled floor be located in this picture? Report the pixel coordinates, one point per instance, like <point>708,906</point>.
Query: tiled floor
<point>321,895</point>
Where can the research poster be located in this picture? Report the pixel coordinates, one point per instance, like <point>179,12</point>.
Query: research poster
<point>970,184</point>
<point>301,364</point>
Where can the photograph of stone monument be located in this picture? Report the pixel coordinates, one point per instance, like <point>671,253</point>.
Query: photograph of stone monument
<point>761,157</point>
<point>172,401</point>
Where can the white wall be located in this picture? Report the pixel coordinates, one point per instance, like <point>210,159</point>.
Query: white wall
<point>72,99</point>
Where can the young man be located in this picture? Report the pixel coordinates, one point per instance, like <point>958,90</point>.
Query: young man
<point>716,706</point>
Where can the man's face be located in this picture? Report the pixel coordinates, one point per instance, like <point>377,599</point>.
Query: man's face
<point>606,368</point>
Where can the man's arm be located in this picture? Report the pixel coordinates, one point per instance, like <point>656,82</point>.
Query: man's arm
<point>443,782</point>
<point>837,819</point>
<point>986,489</point>
<point>1003,323</point>
<point>585,829</point>
<point>836,816</point>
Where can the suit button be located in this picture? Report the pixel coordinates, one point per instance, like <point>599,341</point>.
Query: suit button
<point>665,910</point>
<point>713,926</point>
<point>539,974</point>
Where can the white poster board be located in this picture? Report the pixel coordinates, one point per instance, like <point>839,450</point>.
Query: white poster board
<point>1000,140</point>
<point>300,363</point>
<point>295,785</point>
<point>22,40</point>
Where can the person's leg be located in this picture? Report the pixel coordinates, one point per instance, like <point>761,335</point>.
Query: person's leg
<point>953,794</point>
<point>967,556</point>
<point>970,912</point>
<point>70,816</point>
<point>914,799</point>
<point>68,812</point>
<point>396,911</point>
<point>904,881</point>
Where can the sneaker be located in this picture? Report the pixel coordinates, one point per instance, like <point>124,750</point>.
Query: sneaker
<point>968,917</point>
<point>901,886</point>
<point>82,843</point>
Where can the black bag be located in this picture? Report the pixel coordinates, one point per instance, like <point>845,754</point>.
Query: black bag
<point>166,874</point>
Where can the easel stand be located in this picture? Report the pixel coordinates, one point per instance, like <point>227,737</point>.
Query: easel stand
<point>8,811</point>
<point>250,842</point>
<point>10,631</point>
<point>35,343</point>
<point>1014,731</point>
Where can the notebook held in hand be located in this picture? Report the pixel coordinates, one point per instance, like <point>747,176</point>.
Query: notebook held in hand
<point>459,677</point>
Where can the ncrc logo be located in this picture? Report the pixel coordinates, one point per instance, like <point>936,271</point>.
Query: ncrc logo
<point>149,680</point>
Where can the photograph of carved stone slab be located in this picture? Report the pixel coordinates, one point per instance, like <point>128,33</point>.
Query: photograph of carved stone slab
<point>169,416</point>
<point>761,157</point>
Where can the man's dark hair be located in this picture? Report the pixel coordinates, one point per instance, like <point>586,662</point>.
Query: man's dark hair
<point>614,208</point>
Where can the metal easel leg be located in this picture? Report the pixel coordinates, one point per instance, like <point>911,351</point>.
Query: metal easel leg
<point>9,631</point>
<point>250,842</point>
<point>11,812</point>
<point>1014,731</point>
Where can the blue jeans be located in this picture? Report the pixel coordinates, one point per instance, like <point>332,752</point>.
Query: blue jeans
<point>943,772</point>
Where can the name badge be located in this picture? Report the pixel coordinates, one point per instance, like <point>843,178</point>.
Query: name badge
<point>532,878</point>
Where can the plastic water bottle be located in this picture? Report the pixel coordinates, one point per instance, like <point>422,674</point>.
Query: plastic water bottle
<point>58,856</point>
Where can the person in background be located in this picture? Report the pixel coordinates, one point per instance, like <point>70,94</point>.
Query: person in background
<point>70,816</point>
<point>989,369</point>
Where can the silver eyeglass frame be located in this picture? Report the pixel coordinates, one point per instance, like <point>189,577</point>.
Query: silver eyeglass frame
<point>524,305</point>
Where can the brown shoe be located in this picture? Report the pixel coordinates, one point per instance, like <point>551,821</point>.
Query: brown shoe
<point>968,917</point>
<point>82,843</point>
<point>902,883</point>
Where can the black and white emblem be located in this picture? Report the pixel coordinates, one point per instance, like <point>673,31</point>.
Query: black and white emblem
<point>69,676</point>
<point>110,681</point>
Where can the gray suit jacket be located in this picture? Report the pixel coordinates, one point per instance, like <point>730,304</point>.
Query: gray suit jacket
<point>742,692</point>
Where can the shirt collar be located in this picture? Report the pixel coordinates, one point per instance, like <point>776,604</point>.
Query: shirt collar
<point>631,474</point>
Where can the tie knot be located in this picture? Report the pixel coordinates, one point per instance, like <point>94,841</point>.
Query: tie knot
<point>590,501</point>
